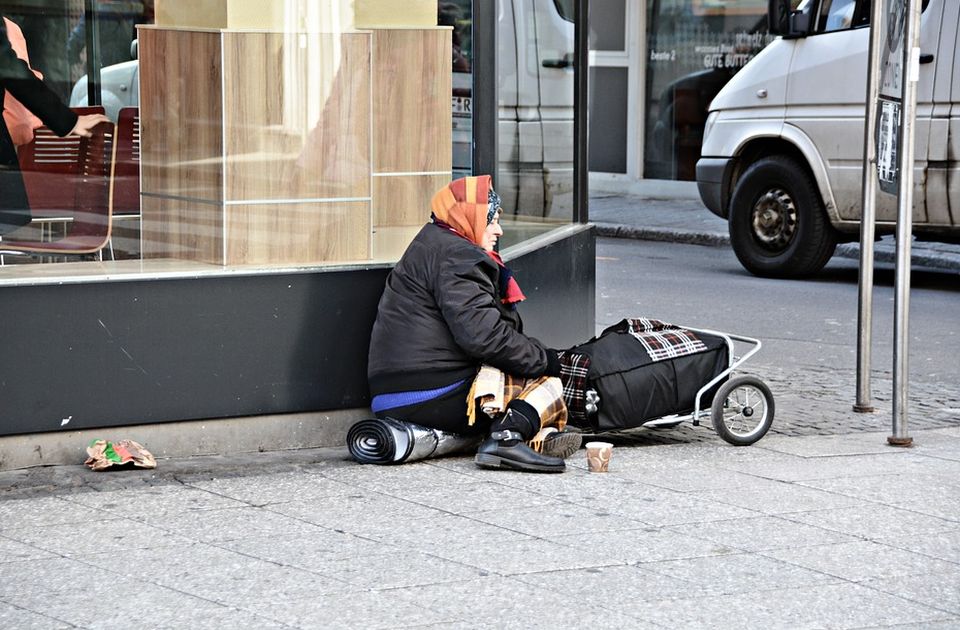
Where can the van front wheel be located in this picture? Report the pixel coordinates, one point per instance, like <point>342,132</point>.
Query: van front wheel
<point>778,227</point>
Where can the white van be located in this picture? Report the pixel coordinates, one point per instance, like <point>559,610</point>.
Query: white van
<point>783,145</point>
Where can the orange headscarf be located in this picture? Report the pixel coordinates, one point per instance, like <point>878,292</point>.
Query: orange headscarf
<point>462,205</point>
<point>20,122</point>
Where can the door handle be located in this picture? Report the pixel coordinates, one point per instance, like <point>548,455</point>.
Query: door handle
<point>564,62</point>
<point>927,58</point>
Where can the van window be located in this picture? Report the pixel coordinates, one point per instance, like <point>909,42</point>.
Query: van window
<point>565,9</point>
<point>838,15</point>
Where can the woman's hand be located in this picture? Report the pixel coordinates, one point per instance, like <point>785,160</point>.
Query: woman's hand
<point>86,123</point>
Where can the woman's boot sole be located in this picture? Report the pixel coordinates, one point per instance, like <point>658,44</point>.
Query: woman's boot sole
<point>485,460</point>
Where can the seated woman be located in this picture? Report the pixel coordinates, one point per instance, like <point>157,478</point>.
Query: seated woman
<point>448,309</point>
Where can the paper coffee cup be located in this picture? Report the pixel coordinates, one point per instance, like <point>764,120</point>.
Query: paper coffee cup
<point>598,456</point>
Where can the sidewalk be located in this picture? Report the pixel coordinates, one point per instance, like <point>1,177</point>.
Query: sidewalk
<point>688,221</point>
<point>817,531</point>
<point>820,524</point>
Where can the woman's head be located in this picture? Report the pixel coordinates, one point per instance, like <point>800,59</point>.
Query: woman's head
<point>471,207</point>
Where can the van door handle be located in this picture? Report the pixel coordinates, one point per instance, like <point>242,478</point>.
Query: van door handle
<point>927,58</point>
<point>565,62</point>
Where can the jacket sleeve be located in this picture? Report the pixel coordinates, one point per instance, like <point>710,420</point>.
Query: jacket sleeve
<point>16,78</point>
<point>467,298</point>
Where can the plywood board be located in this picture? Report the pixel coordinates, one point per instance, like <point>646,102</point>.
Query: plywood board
<point>298,233</point>
<point>297,116</point>
<point>181,113</point>
<point>412,87</point>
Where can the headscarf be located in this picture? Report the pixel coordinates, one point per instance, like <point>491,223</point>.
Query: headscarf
<point>462,205</point>
<point>466,206</point>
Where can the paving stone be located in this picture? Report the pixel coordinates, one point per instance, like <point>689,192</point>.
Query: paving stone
<point>777,497</point>
<point>21,619</point>
<point>797,469</point>
<point>14,551</point>
<point>40,512</point>
<point>273,488</point>
<point>222,525</point>
<point>221,575</point>
<point>943,545</point>
<point>100,604</point>
<point>43,576</point>
<point>427,534</point>
<point>860,561</point>
<point>398,568</point>
<point>510,604</point>
<point>305,551</point>
<point>666,507</point>
<point>115,534</point>
<point>938,495</point>
<point>151,501</point>
<point>361,610</point>
<point>840,605</point>
<point>359,512</point>
<point>557,519</point>
<point>427,472</point>
<point>873,521</point>
<point>629,588</point>
<point>733,574</point>
<point>646,545</point>
<point>936,590</point>
<point>464,498</point>
<point>762,533</point>
<point>522,556</point>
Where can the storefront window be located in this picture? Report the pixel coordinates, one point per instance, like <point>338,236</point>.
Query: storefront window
<point>297,134</point>
<point>536,90</point>
<point>694,47</point>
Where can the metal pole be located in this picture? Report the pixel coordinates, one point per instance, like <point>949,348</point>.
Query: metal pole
<point>581,68</point>
<point>868,220</point>
<point>486,109</point>
<point>92,23</point>
<point>901,376</point>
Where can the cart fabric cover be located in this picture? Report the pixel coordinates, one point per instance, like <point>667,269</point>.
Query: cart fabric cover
<point>642,369</point>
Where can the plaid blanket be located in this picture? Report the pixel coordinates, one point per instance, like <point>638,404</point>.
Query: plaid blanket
<point>494,389</point>
<point>660,339</point>
<point>573,374</point>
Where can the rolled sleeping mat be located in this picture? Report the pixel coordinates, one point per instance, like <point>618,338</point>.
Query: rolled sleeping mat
<point>389,441</point>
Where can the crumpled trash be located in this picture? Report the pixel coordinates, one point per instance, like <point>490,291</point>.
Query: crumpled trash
<point>104,454</point>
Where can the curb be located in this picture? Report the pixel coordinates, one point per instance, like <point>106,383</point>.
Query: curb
<point>717,239</point>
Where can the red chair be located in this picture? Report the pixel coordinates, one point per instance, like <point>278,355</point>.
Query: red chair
<point>125,181</point>
<point>126,165</point>
<point>67,180</point>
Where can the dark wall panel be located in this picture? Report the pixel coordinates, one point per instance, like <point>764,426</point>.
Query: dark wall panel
<point>608,120</point>
<point>82,356</point>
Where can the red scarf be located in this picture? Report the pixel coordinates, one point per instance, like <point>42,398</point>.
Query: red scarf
<point>510,292</point>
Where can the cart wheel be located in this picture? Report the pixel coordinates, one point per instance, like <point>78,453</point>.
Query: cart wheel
<point>743,410</point>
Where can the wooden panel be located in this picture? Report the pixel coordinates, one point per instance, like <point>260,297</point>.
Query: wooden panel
<point>302,233</point>
<point>400,200</point>
<point>180,118</point>
<point>412,116</point>
<point>297,115</point>
<point>384,13</point>
<point>182,230</point>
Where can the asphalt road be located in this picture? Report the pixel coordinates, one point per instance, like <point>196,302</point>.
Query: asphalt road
<point>804,324</point>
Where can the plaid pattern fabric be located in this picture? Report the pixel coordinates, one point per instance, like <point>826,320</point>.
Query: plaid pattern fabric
<point>545,394</point>
<point>662,340</point>
<point>642,325</point>
<point>573,375</point>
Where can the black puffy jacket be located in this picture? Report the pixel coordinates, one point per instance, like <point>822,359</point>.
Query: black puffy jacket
<point>440,317</point>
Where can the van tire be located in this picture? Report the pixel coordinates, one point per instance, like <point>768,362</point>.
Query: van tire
<point>778,226</point>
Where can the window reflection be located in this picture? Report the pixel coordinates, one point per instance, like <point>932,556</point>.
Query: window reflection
<point>694,47</point>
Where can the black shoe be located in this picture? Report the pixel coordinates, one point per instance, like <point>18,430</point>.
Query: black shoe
<point>506,449</point>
